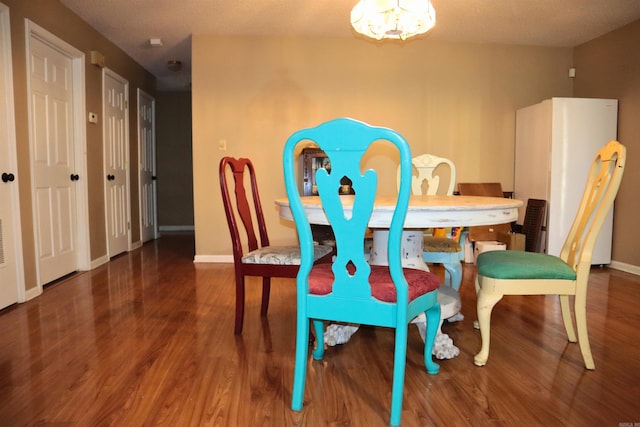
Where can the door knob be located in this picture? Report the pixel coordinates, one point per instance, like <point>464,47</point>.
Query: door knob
<point>74,177</point>
<point>111,177</point>
<point>7,177</point>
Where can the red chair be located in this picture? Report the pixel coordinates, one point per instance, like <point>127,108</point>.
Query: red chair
<point>260,259</point>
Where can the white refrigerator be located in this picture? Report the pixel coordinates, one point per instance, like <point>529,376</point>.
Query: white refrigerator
<point>556,141</point>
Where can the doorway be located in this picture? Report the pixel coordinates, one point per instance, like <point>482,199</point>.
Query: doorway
<point>115,95</point>
<point>147,169</point>
<point>11,265</point>
<point>57,145</point>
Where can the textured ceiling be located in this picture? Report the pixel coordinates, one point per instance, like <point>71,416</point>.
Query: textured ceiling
<point>130,24</point>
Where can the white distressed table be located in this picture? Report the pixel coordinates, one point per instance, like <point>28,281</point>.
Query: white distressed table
<point>424,212</point>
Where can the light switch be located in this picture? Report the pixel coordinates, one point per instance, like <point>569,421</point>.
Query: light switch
<point>222,145</point>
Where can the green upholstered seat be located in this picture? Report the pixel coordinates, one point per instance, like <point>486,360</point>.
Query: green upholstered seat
<point>523,265</point>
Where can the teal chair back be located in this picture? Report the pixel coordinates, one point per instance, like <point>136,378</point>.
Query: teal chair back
<point>350,296</point>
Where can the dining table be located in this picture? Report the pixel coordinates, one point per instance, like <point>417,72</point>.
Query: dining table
<point>424,211</point>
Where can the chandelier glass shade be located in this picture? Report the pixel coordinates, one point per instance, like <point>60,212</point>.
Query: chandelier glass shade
<point>392,19</point>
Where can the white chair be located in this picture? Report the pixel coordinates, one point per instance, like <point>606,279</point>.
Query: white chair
<point>441,246</point>
<point>530,273</point>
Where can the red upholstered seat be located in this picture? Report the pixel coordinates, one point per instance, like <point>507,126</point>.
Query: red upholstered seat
<point>382,287</point>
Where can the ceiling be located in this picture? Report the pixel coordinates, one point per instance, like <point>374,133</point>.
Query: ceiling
<point>130,24</point>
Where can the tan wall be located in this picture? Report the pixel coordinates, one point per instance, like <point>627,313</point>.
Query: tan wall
<point>609,67</point>
<point>453,100</point>
<point>174,159</point>
<point>58,20</point>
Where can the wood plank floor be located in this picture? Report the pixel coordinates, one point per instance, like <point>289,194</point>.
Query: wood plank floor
<point>148,340</point>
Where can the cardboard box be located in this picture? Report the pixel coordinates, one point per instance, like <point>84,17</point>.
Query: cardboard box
<point>514,241</point>
<point>490,245</point>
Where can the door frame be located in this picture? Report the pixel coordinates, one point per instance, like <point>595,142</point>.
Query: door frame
<point>10,133</point>
<point>127,187</point>
<point>77,58</point>
<point>141,93</point>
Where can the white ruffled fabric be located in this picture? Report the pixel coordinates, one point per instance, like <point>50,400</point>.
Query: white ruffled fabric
<point>282,255</point>
<point>336,334</point>
<point>443,347</point>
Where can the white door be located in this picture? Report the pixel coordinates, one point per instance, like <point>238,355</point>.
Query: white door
<point>11,269</point>
<point>147,156</point>
<point>116,160</point>
<point>52,156</point>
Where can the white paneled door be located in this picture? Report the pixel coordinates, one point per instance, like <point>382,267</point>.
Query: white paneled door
<point>116,161</point>
<point>53,163</point>
<point>11,270</point>
<point>147,157</point>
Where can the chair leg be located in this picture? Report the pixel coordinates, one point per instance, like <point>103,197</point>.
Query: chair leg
<point>266,290</point>
<point>455,274</point>
<point>434,322</point>
<point>399,362</point>
<point>566,318</point>
<point>583,335</point>
<point>300,367</point>
<point>486,302</point>
<point>239,304</point>
<point>318,352</point>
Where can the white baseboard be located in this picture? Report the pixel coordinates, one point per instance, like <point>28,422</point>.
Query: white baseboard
<point>627,268</point>
<point>99,261</point>
<point>135,245</point>
<point>32,293</point>
<point>221,259</point>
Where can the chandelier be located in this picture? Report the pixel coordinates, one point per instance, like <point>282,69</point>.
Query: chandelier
<point>393,19</point>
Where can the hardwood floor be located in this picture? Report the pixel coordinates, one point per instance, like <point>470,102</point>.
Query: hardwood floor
<point>148,340</point>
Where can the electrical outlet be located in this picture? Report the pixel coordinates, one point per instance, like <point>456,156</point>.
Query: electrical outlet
<point>222,145</point>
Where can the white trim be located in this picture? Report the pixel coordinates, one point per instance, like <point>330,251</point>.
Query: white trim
<point>220,259</point>
<point>32,293</point>
<point>77,58</point>
<point>82,185</point>
<point>99,261</point>
<point>10,134</point>
<point>628,268</point>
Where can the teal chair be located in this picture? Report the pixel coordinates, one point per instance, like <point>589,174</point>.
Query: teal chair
<point>350,290</point>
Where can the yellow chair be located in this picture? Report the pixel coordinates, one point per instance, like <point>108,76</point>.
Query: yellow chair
<point>529,273</point>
